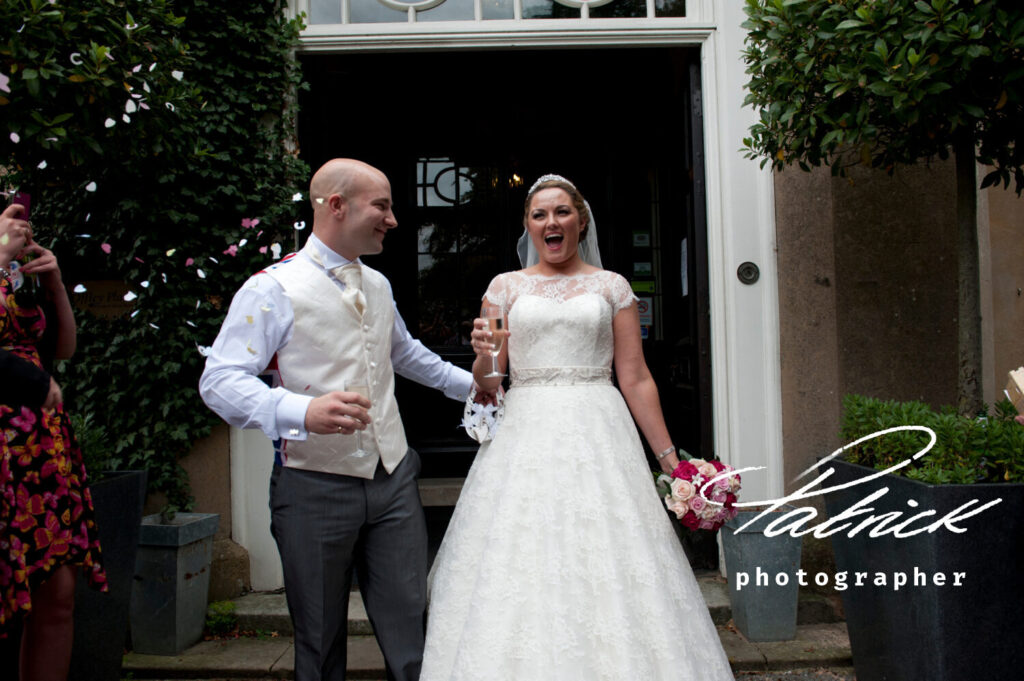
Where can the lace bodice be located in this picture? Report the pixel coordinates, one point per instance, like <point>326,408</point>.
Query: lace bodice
<point>560,322</point>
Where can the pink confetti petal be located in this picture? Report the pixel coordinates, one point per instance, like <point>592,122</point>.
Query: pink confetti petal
<point>189,262</point>
<point>232,250</point>
<point>105,248</point>
<point>4,82</point>
<point>263,249</point>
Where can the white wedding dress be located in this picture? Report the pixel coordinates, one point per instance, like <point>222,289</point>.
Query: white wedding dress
<point>560,562</point>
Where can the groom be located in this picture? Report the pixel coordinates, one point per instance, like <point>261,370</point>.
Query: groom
<point>321,321</point>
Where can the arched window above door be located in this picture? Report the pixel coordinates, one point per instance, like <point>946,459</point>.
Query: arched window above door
<point>326,12</point>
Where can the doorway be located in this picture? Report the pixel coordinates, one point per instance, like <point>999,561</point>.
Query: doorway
<point>462,135</point>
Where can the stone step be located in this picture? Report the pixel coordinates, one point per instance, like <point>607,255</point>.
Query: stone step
<point>266,612</point>
<point>815,648</point>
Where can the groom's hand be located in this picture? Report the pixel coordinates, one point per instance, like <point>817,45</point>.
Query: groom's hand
<point>486,397</point>
<point>337,412</point>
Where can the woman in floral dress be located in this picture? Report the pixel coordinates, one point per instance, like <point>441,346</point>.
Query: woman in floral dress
<point>46,519</point>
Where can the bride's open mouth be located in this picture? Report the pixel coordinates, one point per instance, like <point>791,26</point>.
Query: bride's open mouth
<point>553,241</point>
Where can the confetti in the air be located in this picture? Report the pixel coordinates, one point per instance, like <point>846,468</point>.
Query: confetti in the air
<point>144,284</point>
<point>105,248</point>
<point>42,165</point>
<point>275,250</point>
<point>130,106</point>
<point>171,252</point>
<point>231,250</point>
<point>110,122</point>
<point>204,350</point>
<point>177,75</point>
<point>130,296</point>
<point>201,274</point>
<point>91,187</point>
<point>15,138</point>
<point>79,289</point>
<point>250,222</point>
<point>297,196</point>
<point>300,225</point>
<point>76,58</point>
<point>5,81</point>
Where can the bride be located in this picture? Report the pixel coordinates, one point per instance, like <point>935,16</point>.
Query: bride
<point>560,562</point>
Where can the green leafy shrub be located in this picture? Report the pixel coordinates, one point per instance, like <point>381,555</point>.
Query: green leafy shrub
<point>886,83</point>
<point>967,449</point>
<point>221,618</point>
<point>178,202</point>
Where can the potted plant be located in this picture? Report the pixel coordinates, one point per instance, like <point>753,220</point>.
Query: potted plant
<point>763,588</point>
<point>172,581</point>
<point>933,574</point>
<point>101,619</point>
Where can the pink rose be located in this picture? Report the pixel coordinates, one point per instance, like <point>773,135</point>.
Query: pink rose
<point>697,503</point>
<point>718,497</point>
<point>676,506</point>
<point>682,489</point>
<point>684,471</point>
<point>706,525</point>
<point>707,470</point>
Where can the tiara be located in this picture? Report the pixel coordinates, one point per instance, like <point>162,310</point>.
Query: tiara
<point>549,178</point>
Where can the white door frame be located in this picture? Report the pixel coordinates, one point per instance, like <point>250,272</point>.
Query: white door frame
<point>745,362</point>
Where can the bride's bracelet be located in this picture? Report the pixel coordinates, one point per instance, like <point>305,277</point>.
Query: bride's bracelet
<point>665,453</point>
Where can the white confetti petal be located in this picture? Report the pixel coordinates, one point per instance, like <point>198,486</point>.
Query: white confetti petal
<point>132,27</point>
<point>297,196</point>
<point>79,289</point>
<point>152,66</point>
<point>144,284</point>
<point>76,58</point>
<point>177,75</point>
<point>110,122</point>
<point>201,274</point>
<point>91,187</point>
<point>132,315</point>
<point>15,138</point>
<point>126,118</point>
<point>191,323</point>
<point>42,164</point>
<point>129,106</point>
<point>84,236</point>
<point>170,106</point>
<point>204,350</point>
<point>171,252</point>
<point>154,326</point>
<point>275,249</point>
<point>214,260</point>
<point>300,225</point>
<point>130,296</point>
<point>145,86</point>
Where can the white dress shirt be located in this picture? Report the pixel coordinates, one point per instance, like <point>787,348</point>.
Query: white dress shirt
<point>258,323</point>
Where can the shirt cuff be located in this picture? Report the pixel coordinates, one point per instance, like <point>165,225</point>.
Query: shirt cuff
<point>291,416</point>
<point>460,383</point>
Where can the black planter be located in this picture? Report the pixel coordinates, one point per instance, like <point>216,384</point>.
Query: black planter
<point>101,619</point>
<point>933,632</point>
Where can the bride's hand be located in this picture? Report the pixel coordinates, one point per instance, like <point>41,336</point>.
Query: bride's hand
<point>481,338</point>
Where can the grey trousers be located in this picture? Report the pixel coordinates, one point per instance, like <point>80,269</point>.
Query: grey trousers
<point>328,525</point>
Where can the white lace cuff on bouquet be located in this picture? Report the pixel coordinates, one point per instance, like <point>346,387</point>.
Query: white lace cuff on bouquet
<point>481,420</point>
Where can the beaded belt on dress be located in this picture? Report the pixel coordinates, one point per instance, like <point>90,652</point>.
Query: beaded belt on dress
<point>561,376</point>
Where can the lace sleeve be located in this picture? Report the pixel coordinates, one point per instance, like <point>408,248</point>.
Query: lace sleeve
<point>620,293</point>
<point>497,291</point>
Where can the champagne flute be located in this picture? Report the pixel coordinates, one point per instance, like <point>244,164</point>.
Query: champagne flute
<point>365,392</point>
<point>495,316</point>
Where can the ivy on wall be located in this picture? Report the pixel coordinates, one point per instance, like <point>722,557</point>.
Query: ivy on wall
<point>157,138</point>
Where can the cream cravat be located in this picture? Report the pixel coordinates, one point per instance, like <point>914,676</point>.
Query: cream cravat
<point>352,276</point>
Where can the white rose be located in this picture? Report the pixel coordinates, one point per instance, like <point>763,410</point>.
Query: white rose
<point>707,470</point>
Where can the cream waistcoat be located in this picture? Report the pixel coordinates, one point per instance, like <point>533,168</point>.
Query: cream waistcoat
<point>331,348</point>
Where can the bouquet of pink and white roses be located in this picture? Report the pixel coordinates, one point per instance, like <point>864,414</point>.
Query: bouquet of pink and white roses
<point>701,493</point>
